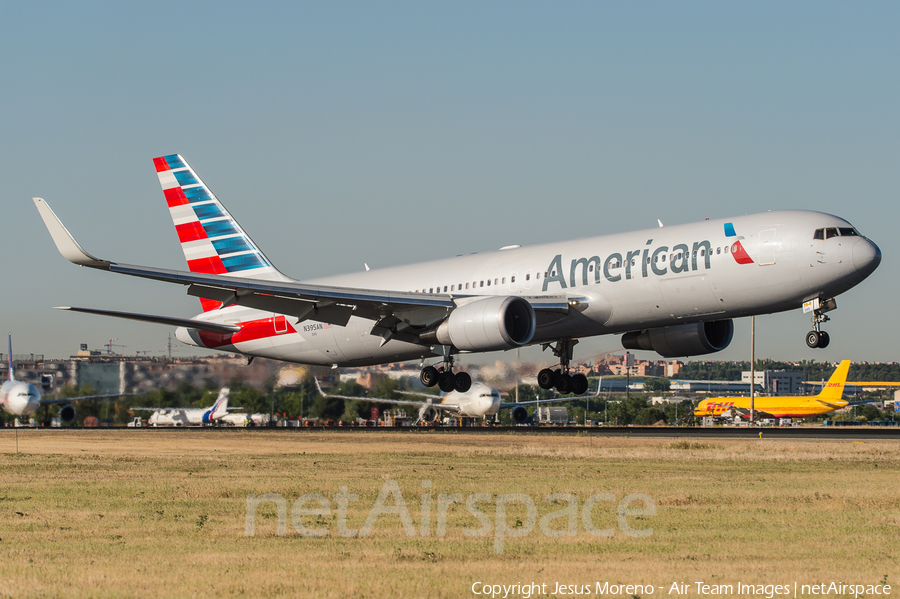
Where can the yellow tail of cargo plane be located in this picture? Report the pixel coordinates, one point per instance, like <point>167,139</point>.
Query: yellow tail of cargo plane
<point>783,407</point>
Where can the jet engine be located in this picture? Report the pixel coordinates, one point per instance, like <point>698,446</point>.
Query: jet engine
<point>682,340</point>
<point>428,414</point>
<point>67,413</point>
<point>519,414</point>
<point>495,323</point>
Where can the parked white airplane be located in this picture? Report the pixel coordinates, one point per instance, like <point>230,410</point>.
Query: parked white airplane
<point>673,290</point>
<point>479,401</point>
<point>23,399</point>
<point>190,416</point>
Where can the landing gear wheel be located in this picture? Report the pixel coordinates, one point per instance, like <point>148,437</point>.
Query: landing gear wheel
<point>824,340</point>
<point>546,379</point>
<point>813,339</point>
<point>564,384</point>
<point>579,384</point>
<point>447,382</point>
<point>429,376</point>
<point>463,382</point>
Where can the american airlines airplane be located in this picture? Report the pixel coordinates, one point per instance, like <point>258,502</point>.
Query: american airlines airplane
<point>674,290</point>
<point>19,398</point>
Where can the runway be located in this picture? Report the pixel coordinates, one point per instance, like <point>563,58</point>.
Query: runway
<point>797,432</point>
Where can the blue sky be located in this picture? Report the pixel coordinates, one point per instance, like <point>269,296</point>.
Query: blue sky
<point>386,133</point>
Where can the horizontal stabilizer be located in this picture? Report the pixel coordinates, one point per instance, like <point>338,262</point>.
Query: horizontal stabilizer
<point>189,323</point>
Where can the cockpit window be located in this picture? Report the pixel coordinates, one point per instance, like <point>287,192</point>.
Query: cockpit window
<point>820,234</point>
<point>848,232</point>
<point>830,232</point>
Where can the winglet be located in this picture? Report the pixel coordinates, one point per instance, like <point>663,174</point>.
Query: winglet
<point>64,241</point>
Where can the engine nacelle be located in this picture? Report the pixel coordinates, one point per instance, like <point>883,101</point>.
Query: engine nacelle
<point>682,340</point>
<point>428,414</point>
<point>519,414</point>
<point>489,324</point>
<point>67,413</point>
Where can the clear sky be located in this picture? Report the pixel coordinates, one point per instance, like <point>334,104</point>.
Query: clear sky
<point>340,133</point>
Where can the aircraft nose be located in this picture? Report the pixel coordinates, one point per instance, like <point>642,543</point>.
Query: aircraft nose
<point>866,256</point>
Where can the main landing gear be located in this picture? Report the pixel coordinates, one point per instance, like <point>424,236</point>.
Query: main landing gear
<point>444,377</point>
<point>817,338</point>
<point>560,378</point>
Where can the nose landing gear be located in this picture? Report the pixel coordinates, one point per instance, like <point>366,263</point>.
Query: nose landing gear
<point>817,338</point>
<point>560,378</point>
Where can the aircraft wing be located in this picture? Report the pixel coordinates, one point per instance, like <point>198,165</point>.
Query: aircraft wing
<point>405,402</point>
<point>551,400</point>
<point>759,413</point>
<point>322,303</point>
<point>50,402</point>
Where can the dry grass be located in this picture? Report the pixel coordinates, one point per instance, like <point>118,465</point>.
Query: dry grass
<point>149,513</point>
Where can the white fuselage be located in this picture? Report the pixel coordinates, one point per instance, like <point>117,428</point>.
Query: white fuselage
<point>19,398</point>
<point>479,401</point>
<point>191,416</point>
<point>711,270</point>
<point>177,417</point>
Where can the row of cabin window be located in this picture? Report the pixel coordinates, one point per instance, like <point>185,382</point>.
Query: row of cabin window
<point>617,264</point>
<point>477,284</point>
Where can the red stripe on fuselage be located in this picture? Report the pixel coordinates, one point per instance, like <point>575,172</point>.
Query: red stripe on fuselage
<point>160,164</point>
<point>250,331</point>
<point>190,232</point>
<point>175,197</point>
<point>740,254</point>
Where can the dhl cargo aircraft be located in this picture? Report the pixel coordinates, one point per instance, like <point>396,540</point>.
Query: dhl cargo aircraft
<point>783,407</point>
<point>674,290</point>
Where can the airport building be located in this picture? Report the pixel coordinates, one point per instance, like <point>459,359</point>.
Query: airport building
<point>110,373</point>
<point>776,382</point>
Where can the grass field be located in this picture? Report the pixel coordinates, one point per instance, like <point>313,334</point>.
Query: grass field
<point>149,513</point>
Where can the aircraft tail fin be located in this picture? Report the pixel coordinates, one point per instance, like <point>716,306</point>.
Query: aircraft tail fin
<point>834,388</point>
<point>212,241</point>
<point>9,373</point>
<point>220,408</point>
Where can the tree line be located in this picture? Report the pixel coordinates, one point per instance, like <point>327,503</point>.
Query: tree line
<point>811,370</point>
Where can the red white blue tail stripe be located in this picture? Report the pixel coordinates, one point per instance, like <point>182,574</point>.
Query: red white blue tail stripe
<point>212,241</point>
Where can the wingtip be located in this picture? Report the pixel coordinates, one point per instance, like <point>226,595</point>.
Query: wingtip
<point>65,243</point>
